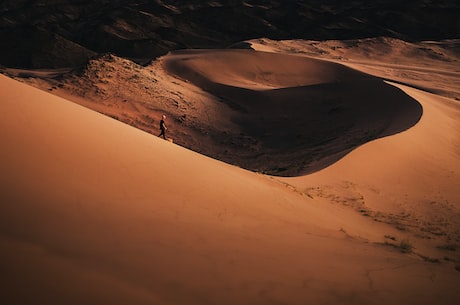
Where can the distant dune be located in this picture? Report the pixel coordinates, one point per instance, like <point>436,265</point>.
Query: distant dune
<point>428,65</point>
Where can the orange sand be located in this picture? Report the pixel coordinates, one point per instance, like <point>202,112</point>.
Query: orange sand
<point>94,211</point>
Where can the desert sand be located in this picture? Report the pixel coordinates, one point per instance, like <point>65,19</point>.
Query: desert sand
<point>96,211</point>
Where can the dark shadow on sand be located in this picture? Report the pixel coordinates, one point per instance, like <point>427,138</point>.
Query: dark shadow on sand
<point>303,129</point>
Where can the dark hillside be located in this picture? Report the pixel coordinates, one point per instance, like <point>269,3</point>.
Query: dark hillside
<point>62,33</point>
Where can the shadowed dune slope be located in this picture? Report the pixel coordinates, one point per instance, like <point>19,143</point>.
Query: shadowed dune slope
<point>302,114</point>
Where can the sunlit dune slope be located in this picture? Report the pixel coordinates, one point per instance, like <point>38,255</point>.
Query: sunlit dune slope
<point>301,114</point>
<point>409,180</point>
<point>94,211</point>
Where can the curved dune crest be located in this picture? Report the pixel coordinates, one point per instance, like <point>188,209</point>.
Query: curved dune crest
<point>250,69</point>
<point>300,114</point>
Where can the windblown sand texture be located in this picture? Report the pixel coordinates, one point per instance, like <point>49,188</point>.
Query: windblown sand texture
<point>95,211</point>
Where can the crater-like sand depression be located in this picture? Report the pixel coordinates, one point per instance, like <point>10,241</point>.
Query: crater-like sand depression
<point>300,114</point>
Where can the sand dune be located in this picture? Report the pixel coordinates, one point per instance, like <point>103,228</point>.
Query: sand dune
<point>95,211</point>
<point>409,180</point>
<point>303,114</point>
<point>267,138</point>
<point>432,66</point>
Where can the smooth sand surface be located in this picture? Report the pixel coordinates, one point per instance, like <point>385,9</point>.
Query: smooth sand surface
<point>94,211</point>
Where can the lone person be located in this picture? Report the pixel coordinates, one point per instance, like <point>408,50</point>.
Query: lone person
<point>163,127</point>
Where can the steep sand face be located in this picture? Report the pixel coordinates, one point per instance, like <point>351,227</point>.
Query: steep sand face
<point>94,211</point>
<point>301,114</point>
